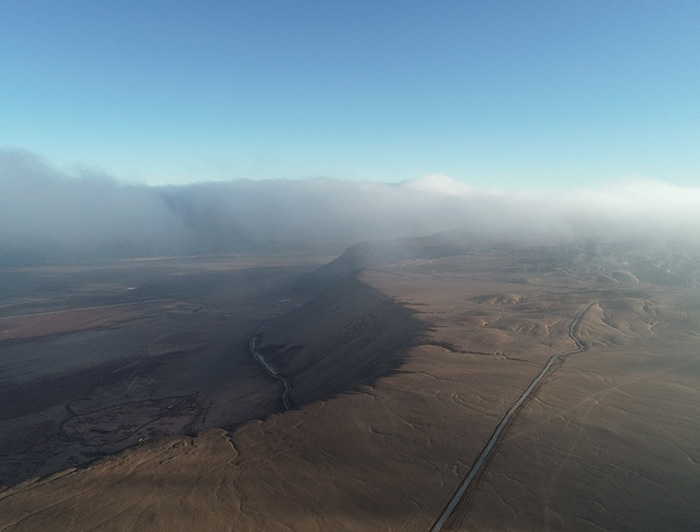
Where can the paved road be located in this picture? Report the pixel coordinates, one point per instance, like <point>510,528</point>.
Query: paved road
<point>287,387</point>
<point>488,449</point>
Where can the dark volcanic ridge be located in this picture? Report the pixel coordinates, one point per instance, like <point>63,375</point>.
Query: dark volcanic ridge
<point>371,252</point>
<point>348,334</point>
<point>351,333</point>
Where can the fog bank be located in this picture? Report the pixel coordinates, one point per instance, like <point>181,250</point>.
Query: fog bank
<point>46,214</point>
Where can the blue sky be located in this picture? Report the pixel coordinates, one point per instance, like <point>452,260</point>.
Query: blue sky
<point>515,95</point>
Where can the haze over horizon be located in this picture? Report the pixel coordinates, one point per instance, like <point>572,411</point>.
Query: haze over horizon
<point>133,129</point>
<point>48,214</point>
<point>502,95</point>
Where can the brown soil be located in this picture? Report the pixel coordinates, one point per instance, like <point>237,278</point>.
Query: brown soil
<point>609,441</point>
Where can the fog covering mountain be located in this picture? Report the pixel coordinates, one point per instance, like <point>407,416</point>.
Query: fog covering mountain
<point>47,214</point>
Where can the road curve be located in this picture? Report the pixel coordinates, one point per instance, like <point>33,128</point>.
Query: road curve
<point>270,371</point>
<point>488,449</point>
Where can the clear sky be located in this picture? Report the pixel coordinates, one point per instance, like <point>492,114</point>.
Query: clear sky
<point>497,94</point>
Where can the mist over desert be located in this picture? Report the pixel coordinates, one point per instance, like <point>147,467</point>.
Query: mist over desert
<point>349,266</point>
<point>148,393</point>
<point>51,214</point>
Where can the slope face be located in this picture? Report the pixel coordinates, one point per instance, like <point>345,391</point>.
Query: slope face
<point>369,253</point>
<point>349,333</point>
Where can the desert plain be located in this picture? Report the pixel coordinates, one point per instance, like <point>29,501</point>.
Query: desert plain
<point>138,405</point>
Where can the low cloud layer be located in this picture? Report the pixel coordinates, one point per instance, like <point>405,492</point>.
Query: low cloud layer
<point>46,214</point>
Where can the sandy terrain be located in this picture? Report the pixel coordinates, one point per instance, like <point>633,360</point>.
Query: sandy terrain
<point>609,441</point>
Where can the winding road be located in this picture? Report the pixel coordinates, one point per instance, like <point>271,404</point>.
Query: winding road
<point>270,371</point>
<point>488,450</point>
